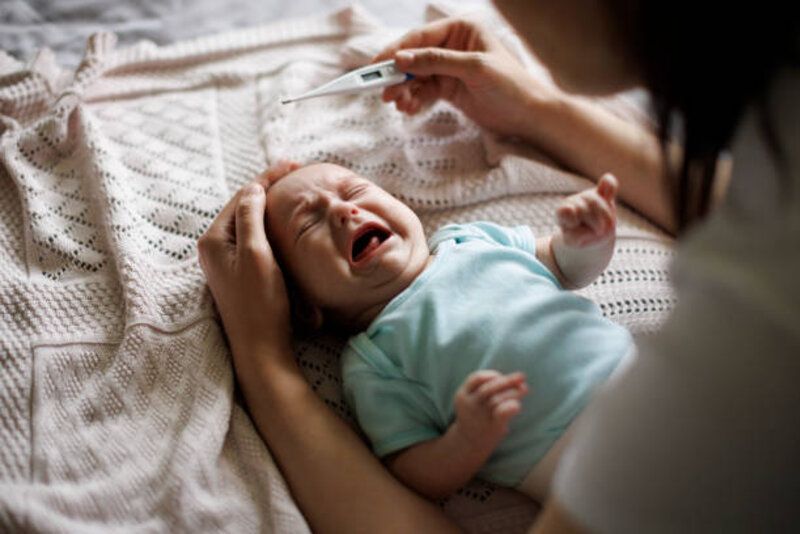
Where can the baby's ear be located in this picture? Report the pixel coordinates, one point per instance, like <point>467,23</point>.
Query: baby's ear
<point>308,318</point>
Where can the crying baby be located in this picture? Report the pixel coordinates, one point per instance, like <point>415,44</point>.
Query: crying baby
<point>447,334</point>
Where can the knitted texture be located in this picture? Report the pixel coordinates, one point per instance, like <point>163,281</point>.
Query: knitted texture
<point>117,405</point>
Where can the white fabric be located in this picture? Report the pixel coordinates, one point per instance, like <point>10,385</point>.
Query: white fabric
<point>701,434</point>
<point>117,407</point>
<point>64,26</point>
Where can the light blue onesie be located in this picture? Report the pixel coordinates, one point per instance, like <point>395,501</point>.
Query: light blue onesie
<point>484,302</point>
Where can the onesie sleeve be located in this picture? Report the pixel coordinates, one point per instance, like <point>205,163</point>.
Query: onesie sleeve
<point>393,412</point>
<point>520,237</point>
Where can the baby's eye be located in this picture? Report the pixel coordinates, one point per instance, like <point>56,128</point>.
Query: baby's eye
<point>306,226</point>
<point>355,191</point>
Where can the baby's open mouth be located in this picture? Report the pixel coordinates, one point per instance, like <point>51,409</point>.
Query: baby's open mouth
<point>367,241</point>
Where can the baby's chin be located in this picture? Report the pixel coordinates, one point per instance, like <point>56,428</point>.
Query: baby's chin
<point>395,285</point>
<point>398,268</point>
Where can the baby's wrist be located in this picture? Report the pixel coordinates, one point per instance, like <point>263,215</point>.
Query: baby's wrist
<point>580,266</point>
<point>479,443</point>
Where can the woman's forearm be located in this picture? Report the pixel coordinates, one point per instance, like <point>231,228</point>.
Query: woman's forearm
<point>338,484</point>
<point>592,141</point>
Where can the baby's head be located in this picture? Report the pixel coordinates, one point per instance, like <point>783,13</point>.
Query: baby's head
<point>345,245</point>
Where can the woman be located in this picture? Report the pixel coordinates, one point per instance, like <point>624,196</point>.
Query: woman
<point>700,432</point>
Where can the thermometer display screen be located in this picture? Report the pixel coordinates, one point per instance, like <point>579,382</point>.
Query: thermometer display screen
<point>369,76</point>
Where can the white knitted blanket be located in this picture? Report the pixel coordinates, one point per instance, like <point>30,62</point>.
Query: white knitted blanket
<point>117,405</point>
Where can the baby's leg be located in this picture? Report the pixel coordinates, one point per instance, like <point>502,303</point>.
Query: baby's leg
<point>538,482</point>
<point>539,479</point>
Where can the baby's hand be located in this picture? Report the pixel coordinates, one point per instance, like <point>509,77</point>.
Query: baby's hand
<point>485,403</point>
<point>590,216</point>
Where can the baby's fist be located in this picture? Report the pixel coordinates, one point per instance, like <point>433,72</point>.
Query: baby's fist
<point>590,216</point>
<point>486,402</point>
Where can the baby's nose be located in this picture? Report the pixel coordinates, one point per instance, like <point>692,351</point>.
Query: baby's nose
<point>343,212</point>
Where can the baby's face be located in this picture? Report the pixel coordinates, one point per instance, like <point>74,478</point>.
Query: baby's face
<point>349,245</point>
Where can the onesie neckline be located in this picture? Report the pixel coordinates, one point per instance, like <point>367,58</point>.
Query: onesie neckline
<point>401,297</point>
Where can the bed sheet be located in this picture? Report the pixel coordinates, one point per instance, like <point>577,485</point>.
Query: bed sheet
<point>64,25</point>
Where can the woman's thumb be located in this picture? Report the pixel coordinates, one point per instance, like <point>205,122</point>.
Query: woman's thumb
<point>437,61</point>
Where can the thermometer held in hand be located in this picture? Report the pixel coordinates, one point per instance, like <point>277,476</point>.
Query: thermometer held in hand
<point>373,76</point>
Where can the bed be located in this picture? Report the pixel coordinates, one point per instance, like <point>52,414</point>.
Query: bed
<point>118,406</point>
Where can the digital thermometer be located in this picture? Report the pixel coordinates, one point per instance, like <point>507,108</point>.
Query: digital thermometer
<point>372,76</point>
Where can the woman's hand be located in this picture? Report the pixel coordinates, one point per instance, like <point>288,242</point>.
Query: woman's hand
<point>459,60</point>
<point>245,281</point>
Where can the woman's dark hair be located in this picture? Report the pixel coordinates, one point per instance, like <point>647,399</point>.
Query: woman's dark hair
<point>706,63</point>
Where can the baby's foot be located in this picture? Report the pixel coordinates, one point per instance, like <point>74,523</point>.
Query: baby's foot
<point>485,404</point>
<point>588,221</point>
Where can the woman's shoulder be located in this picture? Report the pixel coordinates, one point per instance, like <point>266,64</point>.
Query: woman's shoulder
<point>750,247</point>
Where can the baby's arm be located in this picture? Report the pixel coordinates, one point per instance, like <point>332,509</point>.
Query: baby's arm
<point>484,405</point>
<point>581,250</point>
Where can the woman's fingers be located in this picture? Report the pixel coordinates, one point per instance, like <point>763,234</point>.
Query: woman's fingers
<point>430,91</point>
<point>429,53</point>
<point>425,51</point>
<point>433,34</point>
<point>241,272</point>
<point>403,101</point>
<point>393,92</point>
<point>250,233</point>
<point>439,62</point>
<point>219,237</point>
<point>414,95</point>
<point>239,223</point>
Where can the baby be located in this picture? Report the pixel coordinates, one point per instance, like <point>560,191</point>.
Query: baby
<point>447,333</point>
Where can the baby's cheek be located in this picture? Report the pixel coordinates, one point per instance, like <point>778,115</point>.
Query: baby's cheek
<point>315,262</point>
